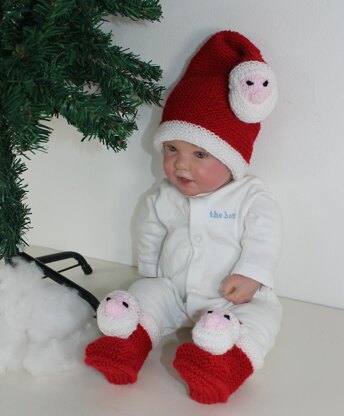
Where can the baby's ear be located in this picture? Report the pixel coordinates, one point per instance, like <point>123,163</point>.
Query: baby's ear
<point>252,91</point>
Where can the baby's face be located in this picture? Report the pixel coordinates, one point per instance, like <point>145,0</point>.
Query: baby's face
<point>192,169</point>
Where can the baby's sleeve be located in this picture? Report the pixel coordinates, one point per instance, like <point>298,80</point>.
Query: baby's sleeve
<point>261,241</point>
<point>151,233</point>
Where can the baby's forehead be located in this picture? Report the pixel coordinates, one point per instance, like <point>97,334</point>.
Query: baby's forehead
<point>182,144</point>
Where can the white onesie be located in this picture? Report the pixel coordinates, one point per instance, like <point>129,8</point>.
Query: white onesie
<point>190,244</point>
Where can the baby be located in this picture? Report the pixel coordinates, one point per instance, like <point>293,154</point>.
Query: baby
<point>209,235</point>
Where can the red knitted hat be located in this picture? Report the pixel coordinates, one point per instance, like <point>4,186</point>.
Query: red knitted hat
<point>219,102</point>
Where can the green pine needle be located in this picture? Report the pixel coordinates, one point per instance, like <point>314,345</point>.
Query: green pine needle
<point>56,61</point>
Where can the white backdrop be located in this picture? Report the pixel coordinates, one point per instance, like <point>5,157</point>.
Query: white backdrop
<point>84,198</point>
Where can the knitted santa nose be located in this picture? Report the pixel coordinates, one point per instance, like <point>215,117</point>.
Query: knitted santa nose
<point>218,104</point>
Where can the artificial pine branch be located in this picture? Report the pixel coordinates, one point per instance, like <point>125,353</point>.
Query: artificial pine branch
<point>135,9</point>
<point>56,61</point>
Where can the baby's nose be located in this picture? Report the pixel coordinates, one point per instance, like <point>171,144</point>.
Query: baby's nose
<point>181,162</point>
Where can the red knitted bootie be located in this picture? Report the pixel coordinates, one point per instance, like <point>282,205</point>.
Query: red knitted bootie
<point>216,365</point>
<point>119,359</point>
<point>212,378</point>
<point>129,336</point>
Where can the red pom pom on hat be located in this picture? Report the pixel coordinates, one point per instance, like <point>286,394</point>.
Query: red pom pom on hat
<point>219,102</point>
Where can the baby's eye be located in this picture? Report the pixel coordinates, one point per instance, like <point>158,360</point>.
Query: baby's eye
<point>201,155</point>
<point>170,148</point>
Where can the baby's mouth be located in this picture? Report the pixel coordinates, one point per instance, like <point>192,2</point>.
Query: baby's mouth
<point>182,179</point>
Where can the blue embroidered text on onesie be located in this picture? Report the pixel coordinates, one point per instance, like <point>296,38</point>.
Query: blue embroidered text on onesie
<point>225,215</point>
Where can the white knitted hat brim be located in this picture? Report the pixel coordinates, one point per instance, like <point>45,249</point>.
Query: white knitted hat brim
<point>201,137</point>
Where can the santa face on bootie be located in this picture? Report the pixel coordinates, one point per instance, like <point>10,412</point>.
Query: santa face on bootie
<point>216,365</point>
<point>129,337</point>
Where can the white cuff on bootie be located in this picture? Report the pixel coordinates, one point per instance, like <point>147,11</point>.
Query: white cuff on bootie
<point>250,349</point>
<point>151,327</point>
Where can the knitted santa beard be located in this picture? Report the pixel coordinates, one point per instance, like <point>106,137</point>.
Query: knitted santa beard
<point>219,102</point>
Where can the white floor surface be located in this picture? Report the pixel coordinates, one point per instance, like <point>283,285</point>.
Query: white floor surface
<point>302,376</point>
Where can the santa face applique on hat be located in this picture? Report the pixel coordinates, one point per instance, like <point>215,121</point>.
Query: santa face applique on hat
<point>218,104</point>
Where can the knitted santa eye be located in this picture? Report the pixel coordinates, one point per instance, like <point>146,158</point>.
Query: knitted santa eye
<point>252,91</point>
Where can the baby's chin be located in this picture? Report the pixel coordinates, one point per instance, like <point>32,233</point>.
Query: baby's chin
<point>188,192</point>
<point>191,193</point>
<point>190,187</point>
<point>187,187</point>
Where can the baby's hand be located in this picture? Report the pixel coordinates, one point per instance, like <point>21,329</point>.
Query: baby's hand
<point>239,289</point>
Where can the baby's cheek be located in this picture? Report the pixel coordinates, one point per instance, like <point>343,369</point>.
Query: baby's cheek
<point>217,175</point>
<point>167,167</point>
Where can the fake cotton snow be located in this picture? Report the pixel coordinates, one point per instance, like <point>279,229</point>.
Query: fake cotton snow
<point>44,327</point>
